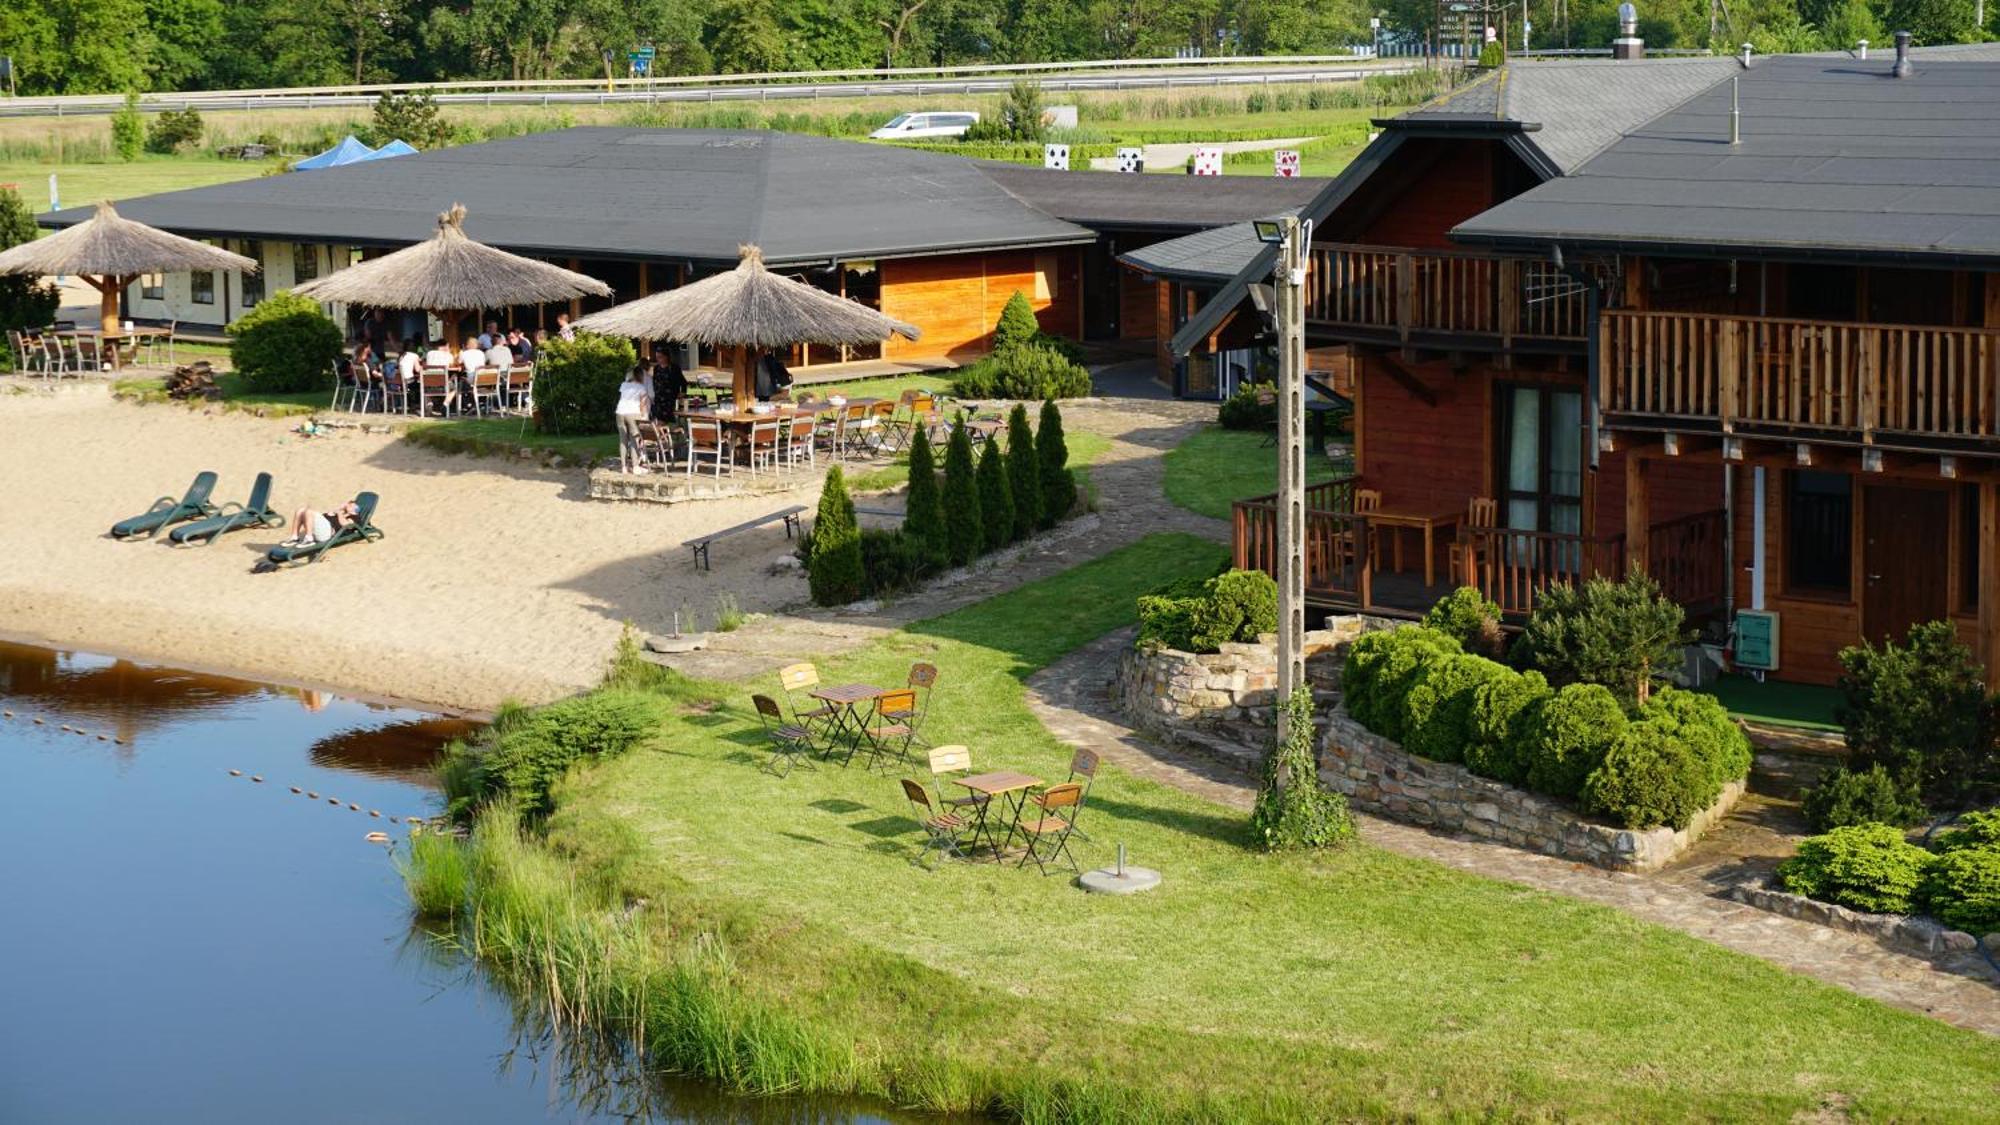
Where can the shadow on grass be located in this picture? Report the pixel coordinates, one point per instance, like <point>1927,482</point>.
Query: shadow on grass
<point>1232,830</point>
<point>836,805</point>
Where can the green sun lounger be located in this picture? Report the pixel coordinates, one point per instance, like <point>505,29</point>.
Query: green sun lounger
<point>256,512</point>
<point>362,529</point>
<point>168,510</point>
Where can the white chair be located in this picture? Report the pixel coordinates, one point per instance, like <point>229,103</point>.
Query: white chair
<point>518,383</point>
<point>764,444</point>
<point>487,390</point>
<point>437,384</point>
<point>346,383</point>
<point>799,438</point>
<point>55,360</point>
<point>705,444</point>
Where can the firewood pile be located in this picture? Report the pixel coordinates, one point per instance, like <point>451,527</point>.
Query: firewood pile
<point>193,380</point>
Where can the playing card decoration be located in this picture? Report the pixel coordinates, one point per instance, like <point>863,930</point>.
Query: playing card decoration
<point>1288,163</point>
<point>1131,160</point>
<point>1056,156</point>
<point>1208,162</point>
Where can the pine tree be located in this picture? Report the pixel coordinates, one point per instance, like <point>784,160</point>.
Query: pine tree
<point>1017,327</point>
<point>923,514</point>
<point>833,568</point>
<point>964,530</point>
<point>1024,472</point>
<point>1058,486</point>
<point>996,498</point>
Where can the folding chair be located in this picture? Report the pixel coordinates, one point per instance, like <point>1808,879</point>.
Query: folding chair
<point>947,760</point>
<point>886,734</point>
<point>790,744</point>
<point>940,829</point>
<point>799,679</point>
<point>1083,770</point>
<point>1048,834</point>
<point>923,677</point>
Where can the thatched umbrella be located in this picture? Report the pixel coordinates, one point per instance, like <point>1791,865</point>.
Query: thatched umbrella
<point>108,251</point>
<point>747,308</point>
<point>449,275</point>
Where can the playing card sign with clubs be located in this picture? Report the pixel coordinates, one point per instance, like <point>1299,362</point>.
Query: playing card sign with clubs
<point>1208,162</point>
<point>1056,156</point>
<point>1288,163</point>
<point>1131,160</point>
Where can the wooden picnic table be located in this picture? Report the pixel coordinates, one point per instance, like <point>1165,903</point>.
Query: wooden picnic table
<point>849,721</point>
<point>1427,522</point>
<point>1008,786</point>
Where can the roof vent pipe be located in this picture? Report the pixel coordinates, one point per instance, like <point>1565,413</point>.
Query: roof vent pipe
<point>1745,60</point>
<point>1903,68</point>
<point>1628,45</point>
<point>1861,49</point>
<point>1735,115</point>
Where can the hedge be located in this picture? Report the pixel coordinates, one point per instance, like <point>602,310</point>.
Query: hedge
<point>576,383</point>
<point>1866,866</point>
<point>1580,724</point>
<point>1961,888</point>
<point>1650,776</point>
<point>1201,615</point>
<point>1507,725</point>
<point>285,344</point>
<point>1437,714</point>
<point>1381,670</point>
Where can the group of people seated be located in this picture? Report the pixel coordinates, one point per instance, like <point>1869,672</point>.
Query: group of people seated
<point>379,350</point>
<point>656,388</point>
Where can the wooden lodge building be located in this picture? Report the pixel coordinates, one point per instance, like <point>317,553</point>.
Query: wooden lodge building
<point>1588,330</point>
<point>934,240</point>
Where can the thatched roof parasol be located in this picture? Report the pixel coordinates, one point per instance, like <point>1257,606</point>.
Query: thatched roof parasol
<point>109,250</point>
<point>449,273</point>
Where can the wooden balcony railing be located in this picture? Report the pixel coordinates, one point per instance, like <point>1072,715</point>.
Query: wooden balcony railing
<point>1684,556</point>
<point>1856,381</point>
<point>1513,567</point>
<point>1439,292</point>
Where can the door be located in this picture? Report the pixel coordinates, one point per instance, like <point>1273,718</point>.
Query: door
<point>1903,559</point>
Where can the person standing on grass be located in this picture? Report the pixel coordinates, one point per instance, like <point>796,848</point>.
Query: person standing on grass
<point>634,405</point>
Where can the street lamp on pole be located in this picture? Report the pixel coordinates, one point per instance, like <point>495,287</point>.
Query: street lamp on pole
<point>1293,236</point>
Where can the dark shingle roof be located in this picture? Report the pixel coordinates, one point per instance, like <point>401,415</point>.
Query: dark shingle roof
<point>1101,199</point>
<point>1214,255</point>
<point>1836,156</point>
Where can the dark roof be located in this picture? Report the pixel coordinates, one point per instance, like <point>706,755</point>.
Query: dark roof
<point>1836,157</point>
<point>1213,255</point>
<point>1114,199</point>
<point>633,193</point>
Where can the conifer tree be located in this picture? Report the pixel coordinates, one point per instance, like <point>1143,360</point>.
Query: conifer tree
<point>996,498</point>
<point>1058,486</point>
<point>833,568</point>
<point>1017,327</point>
<point>964,530</point>
<point>923,514</point>
<point>1024,472</point>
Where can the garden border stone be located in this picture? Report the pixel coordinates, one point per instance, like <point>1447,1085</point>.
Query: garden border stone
<point>1913,932</point>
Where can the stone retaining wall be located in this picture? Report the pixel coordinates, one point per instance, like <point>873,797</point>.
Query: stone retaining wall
<point>1378,776</point>
<point>1919,935</point>
<point>1169,691</point>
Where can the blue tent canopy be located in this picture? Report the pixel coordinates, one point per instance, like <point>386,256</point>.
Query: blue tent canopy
<point>348,151</point>
<point>393,148</point>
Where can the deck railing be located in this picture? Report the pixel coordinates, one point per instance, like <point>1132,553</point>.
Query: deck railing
<point>1441,292</point>
<point>1512,568</point>
<point>1336,547</point>
<point>1858,381</point>
<point>1684,556</point>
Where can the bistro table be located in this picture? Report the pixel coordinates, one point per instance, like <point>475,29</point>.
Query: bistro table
<point>850,722</point>
<point>1009,786</point>
<point>1426,522</point>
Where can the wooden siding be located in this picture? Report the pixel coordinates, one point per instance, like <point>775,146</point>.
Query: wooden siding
<point>1456,185</point>
<point>1676,487</point>
<point>1417,455</point>
<point>956,299</point>
<point>1138,307</point>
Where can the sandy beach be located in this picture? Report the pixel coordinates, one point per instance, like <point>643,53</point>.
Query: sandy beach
<point>496,579</point>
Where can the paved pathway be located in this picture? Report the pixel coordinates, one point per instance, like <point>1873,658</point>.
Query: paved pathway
<point>1072,699</point>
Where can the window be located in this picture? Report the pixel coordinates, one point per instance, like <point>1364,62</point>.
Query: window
<point>1541,458</point>
<point>153,287</point>
<point>253,280</point>
<point>1819,532</point>
<point>201,287</point>
<point>305,262</point>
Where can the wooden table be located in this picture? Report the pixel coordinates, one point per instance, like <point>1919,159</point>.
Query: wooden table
<point>137,336</point>
<point>1426,522</point>
<point>1010,786</point>
<point>848,720</point>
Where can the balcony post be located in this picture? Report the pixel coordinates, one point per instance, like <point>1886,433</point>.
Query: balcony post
<point>1728,352</point>
<point>1988,646</point>
<point>1868,360</point>
<point>1638,513</point>
<point>1510,301</point>
<point>1406,295</point>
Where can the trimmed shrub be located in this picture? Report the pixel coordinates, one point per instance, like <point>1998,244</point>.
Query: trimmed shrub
<point>1301,813</point>
<point>1917,709</point>
<point>1961,888</point>
<point>1058,485</point>
<point>1236,605</point>
<point>1167,614</point>
<point>964,529</point>
<point>893,561</point>
<point>1437,714</point>
<point>923,508</point>
<point>525,756</point>
<point>833,566</point>
<point>576,383</point>
<point>996,498</point>
<point>1024,468</point>
<point>1866,866</point>
<point>1470,618</point>
<point>173,128</point>
<point>1650,776</point>
<point>1017,327</point>
<point>1973,830</point>
<point>1580,724</point>
<point>1380,673</point>
<point>1849,796</point>
<point>1506,725</point>
<point>1611,633</point>
<point>1701,721</point>
<point>1023,371</point>
<point>285,344</point>
<point>128,129</point>
<point>1248,409</point>
<point>25,302</point>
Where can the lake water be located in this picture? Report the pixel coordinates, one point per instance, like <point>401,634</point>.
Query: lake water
<point>183,945</point>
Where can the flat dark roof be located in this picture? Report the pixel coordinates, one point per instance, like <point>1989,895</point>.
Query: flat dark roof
<point>1155,200</point>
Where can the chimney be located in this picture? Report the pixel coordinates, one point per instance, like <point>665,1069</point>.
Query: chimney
<point>1628,45</point>
<point>1903,69</point>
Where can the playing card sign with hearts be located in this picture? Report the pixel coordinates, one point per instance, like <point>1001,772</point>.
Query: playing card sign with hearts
<point>1288,163</point>
<point>1131,160</point>
<point>1056,156</point>
<point>1208,162</point>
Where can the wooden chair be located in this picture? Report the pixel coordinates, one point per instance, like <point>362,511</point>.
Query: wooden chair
<point>655,444</point>
<point>705,444</point>
<point>346,382</point>
<point>1366,501</point>
<point>1481,512</point>
<point>949,760</point>
<point>922,679</point>
<point>1082,770</point>
<point>790,743</point>
<point>518,388</point>
<point>886,735</point>
<point>435,385</point>
<point>858,427</point>
<point>941,830</point>
<point>798,436</point>
<point>764,444</point>
<point>799,679</point>
<point>1048,832</point>
<point>488,391</point>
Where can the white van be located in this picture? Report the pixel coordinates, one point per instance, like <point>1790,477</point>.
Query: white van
<point>909,126</point>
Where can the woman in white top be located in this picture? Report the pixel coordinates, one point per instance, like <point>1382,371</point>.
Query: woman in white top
<point>635,403</point>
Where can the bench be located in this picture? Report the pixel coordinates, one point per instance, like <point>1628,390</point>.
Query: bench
<point>889,513</point>
<point>700,546</point>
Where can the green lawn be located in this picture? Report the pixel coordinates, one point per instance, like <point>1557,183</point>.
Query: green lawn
<point>1216,467</point>
<point>237,394</point>
<point>1807,706</point>
<point>82,184</point>
<point>1250,987</point>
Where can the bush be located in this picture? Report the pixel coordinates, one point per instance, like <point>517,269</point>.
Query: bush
<point>576,383</point>
<point>1300,812</point>
<point>414,118</point>
<point>1201,615</point>
<point>1580,724</point>
<point>1848,796</point>
<point>172,129</point>
<point>128,129</point>
<point>1506,725</point>
<point>996,498</point>
<point>1437,714</point>
<point>526,755</point>
<point>1254,406</point>
<point>1167,615</point>
<point>1058,486</point>
<point>1973,830</point>
<point>1867,866</point>
<point>964,529</point>
<point>1381,670</point>
<point>1023,113</point>
<point>923,509</point>
<point>1492,55</point>
<point>285,344</point>
<point>1024,468</point>
<point>25,302</point>
<point>1470,618</point>
<point>893,561</point>
<point>834,568</point>
<point>1962,889</point>
<point>1611,633</point>
<point>1650,776</point>
<point>1027,372</point>
<point>1018,327</point>
<point>1917,708</point>
<point>1703,723</point>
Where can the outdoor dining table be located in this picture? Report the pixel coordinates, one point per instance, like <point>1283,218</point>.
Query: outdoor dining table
<point>1006,786</point>
<point>850,720</point>
<point>1426,522</point>
<point>125,343</point>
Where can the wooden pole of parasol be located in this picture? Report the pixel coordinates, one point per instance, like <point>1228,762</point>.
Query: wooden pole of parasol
<point>744,368</point>
<point>108,289</point>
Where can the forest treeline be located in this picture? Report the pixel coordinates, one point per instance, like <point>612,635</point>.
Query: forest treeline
<point>109,46</point>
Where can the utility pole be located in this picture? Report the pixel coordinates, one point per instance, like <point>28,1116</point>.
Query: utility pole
<point>1292,237</point>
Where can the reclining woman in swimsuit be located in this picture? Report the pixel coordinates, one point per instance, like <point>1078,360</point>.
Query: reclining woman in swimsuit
<point>309,526</point>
